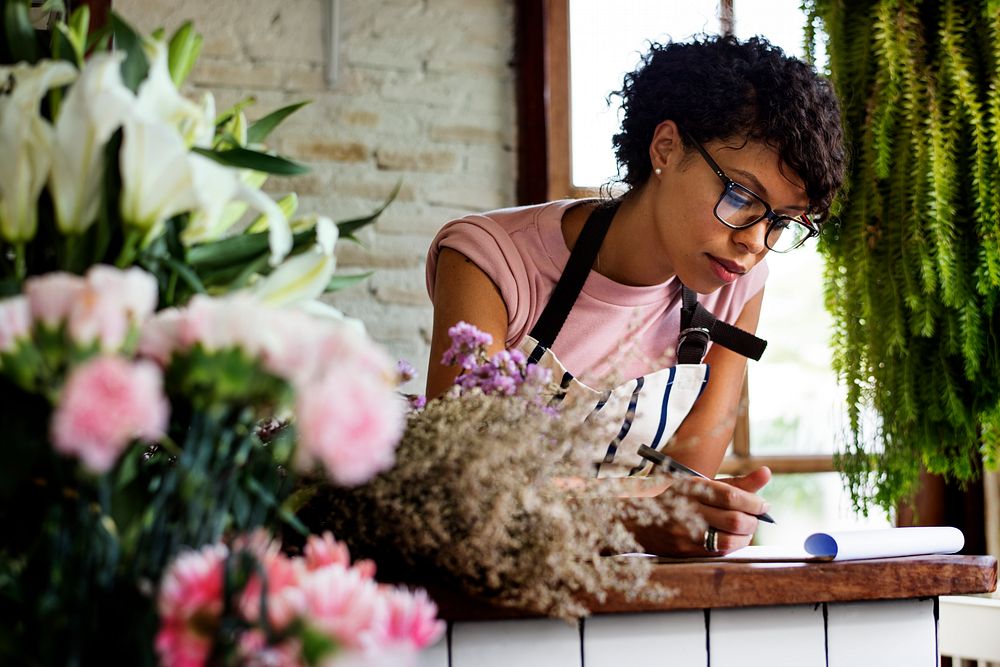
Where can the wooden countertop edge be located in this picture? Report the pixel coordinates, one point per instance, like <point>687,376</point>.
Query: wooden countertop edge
<point>719,585</point>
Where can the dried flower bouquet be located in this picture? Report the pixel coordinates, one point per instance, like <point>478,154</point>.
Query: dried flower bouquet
<point>488,497</point>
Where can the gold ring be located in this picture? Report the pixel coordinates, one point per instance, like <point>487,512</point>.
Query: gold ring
<point>711,541</point>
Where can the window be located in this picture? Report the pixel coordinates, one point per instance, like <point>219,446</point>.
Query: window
<point>795,413</point>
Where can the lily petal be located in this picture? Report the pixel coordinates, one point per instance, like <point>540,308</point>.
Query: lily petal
<point>96,106</point>
<point>279,232</point>
<point>326,234</point>
<point>300,278</point>
<point>25,143</point>
<point>156,175</point>
<point>159,98</point>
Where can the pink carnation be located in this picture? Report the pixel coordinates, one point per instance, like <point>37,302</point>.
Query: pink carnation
<point>51,296</point>
<point>285,600</point>
<point>159,336</point>
<point>325,550</point>
<point>105,404</point>
<point>15,322</point>
<point>412,618</point>
<point>254,651</point>
<point>350,422</point>
<point>102,307</point>
<point>344,605</point>
<point>190,603</point>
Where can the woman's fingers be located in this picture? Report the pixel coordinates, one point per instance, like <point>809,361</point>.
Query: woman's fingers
<point>723,494</point>
<point>730,521</point>
<point>727,542</point>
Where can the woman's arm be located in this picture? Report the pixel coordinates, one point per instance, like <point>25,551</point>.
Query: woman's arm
<point>462,292</point>
<point>702,438</point>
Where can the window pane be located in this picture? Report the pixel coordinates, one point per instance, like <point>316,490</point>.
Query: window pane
<point>802,504</point>
<point>606,41</point>
<point>779,20</point>
<point>796,405</point>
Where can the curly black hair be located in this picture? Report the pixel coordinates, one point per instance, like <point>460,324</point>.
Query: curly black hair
<point>723,88</point>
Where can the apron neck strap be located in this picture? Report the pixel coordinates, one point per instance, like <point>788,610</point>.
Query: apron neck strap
<point>581,259</point>
<point>699,325</point>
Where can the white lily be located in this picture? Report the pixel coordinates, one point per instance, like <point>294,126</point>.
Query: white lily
<point>214,189</point>
<point>96,106</point>
<point>279,231</point>
<point>159,98</point>
<point>305,276</point>
<point>25,143</point>
<point>323,310</point>
<point>156,175</point>
<point>205,226</point>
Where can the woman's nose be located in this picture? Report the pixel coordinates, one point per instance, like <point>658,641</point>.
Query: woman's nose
<point>752,238</point>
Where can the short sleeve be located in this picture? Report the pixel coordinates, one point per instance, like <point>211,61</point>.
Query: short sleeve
<point>489,246</point>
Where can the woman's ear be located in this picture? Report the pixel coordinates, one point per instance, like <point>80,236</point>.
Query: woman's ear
<point>666,144</point>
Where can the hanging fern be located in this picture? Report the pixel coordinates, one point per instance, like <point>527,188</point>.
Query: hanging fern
<point>913,253</point>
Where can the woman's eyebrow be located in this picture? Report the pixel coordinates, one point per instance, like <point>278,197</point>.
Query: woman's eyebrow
<point>759,189</point>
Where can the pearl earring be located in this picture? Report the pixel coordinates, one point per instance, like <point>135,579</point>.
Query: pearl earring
<point>657,171</point>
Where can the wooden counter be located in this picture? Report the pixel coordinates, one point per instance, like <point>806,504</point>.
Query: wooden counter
<point>880,611</point>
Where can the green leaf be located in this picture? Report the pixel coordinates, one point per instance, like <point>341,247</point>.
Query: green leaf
<point>136,66</point>
<point>76,31</point>
<point>226,115</point>
<point>20,33</point>
<point>339,282</point>
<point>100,39</point>
<point>244,158</point>
<point>224,252</point>
<point>348,227</point>
<point>263,127</point>
<point>184,49</point>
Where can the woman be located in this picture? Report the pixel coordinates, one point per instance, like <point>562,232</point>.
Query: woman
<point>729,150</point>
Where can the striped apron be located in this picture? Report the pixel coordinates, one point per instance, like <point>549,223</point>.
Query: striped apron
<point>647,410</point>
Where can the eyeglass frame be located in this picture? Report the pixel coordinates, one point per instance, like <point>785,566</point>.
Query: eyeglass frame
<point>769,214</point>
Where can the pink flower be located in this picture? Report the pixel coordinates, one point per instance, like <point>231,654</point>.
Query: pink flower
<point>412,618</point>
<point>105,404</point>
<point>132,290</point>
<point>254,651</point>
<point>325,550</point>
<point>190,603</point>
<point>15,322</point>
<point>350,422</point>
<point>51,296</point>
<point>159,336</point>
<point>285,600</point>
<point>103,306</point>
<point>344,605</point>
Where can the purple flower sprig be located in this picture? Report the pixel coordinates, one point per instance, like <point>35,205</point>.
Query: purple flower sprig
<point>468,346</point>
<point>505,373</point>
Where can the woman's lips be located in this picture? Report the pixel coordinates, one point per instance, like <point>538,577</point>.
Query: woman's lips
<point>726,271</point>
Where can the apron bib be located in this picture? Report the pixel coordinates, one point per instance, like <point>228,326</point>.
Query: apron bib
<point>649,409</point>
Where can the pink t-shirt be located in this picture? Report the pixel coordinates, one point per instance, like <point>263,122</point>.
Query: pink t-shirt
<point>613,330</point>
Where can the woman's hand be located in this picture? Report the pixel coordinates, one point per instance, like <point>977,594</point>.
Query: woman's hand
<point>728,505</point>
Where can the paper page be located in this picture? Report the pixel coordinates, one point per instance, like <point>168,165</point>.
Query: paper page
<point>846,545</point>
<point>885,543</point>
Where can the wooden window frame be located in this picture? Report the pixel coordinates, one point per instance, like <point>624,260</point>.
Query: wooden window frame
<point>542,62</point>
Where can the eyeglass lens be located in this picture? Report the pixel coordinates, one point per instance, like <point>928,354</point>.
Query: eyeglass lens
<point>740,208</point>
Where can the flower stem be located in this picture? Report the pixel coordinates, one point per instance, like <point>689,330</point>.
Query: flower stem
<point>130,247</point>
<point>20,261</point>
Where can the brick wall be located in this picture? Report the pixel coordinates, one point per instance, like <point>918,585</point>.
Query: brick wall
<point>425,96</point>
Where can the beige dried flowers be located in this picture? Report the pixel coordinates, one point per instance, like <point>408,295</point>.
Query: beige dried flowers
<point>487,497</point>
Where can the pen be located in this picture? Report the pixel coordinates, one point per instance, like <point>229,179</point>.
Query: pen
<point>659,458</point>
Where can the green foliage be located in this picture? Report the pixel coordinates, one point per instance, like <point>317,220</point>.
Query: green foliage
<point>913,259</point>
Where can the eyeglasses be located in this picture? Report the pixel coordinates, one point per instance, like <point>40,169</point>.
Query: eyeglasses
<point>739,207</point>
